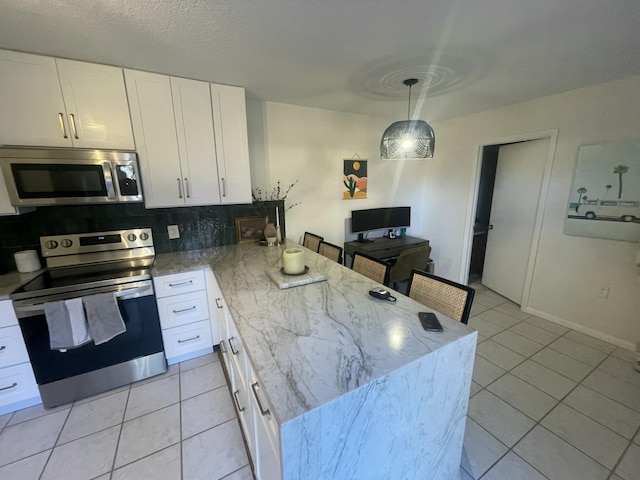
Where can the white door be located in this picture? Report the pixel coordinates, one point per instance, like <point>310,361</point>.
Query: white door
<point>155,133</point>
<point>96,104</point>
<point>513,211</point>
<point>232,145</point>
<point>31,105</point>
<point>194,126</point>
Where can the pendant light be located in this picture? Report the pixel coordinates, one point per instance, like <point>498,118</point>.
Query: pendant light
<point>408,138</point>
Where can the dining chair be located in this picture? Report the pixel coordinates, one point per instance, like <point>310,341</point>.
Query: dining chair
<point>445,296</point>
<point>415,258</point>
<point>312,241</point>
<point>330,251</point>
<point>376,270</point>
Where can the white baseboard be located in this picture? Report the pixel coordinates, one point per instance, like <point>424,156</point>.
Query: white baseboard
<point>581,328</point>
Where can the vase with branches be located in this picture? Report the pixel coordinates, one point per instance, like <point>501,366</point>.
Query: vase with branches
<point>262,198</point>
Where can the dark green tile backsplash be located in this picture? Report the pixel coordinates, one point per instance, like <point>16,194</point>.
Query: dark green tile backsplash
<point>200,227</point>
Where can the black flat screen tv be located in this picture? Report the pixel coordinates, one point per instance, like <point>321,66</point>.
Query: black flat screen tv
<point>363,221</point>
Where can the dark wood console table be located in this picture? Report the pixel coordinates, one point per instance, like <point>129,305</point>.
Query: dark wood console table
<point>382,248</point>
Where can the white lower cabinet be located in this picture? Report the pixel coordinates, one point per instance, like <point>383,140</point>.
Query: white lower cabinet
<point>259,427</point>
<point>18,387</point>
<point>183,308</point>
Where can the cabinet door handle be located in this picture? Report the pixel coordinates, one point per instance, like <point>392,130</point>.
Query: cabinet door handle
<point>189,339</point>
<point>13,385</point>
<point>187,189</point>
<point>263,411</point>
<point>218,302</point>
<point>224,187</point>
<point>235,396</point>
<point>72,118</point>
<point>2,347</point>
<point>185,309</point>
<point>181,284</point>
<point>223,349</point>
<point>233,350</point>
<point>62,127</point>
<point>179,188</point>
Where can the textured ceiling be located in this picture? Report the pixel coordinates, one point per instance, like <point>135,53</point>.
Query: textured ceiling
<point>348,55</point>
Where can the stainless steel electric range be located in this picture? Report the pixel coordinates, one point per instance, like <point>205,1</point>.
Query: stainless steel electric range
<point>86,264</point>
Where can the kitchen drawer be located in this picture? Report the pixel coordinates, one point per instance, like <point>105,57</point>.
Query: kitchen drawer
<point>7,315</point>
<point>245,413</point>
<point>179,283</point>
<point>186,339</point>
<point>17,383</point>
<point>12,348</point>
<point>183,309</point>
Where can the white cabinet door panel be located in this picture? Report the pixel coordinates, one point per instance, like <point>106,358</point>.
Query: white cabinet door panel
<point>194,124</point>
<point>96,104</point>
<point>232,146</point>
<point>155,133</point>
<point>31,102</point>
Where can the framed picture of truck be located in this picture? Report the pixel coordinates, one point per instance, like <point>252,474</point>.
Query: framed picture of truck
<point>604,200</point>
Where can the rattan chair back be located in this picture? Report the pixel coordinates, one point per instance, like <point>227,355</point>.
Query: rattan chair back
<point>375,269</point>
<point>312,241</point>
<point>445,296</point>
<point>332,252</point>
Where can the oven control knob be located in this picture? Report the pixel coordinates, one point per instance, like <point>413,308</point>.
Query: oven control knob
<point>132,237</point>
<point>51,244</point>
<point>66,243</point>
<point>144,236</point>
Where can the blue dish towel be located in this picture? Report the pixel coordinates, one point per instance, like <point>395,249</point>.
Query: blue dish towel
<point>103,316</point>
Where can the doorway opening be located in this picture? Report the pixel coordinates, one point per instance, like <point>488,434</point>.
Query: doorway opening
<point>512,180</point>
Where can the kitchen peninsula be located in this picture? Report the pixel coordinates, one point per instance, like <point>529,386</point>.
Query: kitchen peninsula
<point>354,386</point>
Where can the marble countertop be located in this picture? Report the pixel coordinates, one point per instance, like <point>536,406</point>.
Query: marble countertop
<point>13,280</point>
<point>313,343</point>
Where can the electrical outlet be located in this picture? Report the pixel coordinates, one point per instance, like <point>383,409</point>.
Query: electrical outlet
<point>173,231</point>
<point>603,292</point>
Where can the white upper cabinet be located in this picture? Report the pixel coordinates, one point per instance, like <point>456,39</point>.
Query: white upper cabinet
<point>62,103</point>
<point>96,103</point>
<point>173,126</point>
<point>182,137</point>
<point>232,145</point>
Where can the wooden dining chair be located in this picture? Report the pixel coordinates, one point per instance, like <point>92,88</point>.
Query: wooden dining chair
<point>445,296</point>
<point>376,270</point>
<point>330,251</point>
<point>312,241</point>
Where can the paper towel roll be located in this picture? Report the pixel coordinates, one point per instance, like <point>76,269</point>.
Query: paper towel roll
<point>27,261</point>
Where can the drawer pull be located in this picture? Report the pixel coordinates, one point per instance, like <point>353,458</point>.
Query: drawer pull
<point>2,347</point>
<point>235,396</point>
<point>233,350</point>
<point>263,411</point>
<point>223,349</point>
<point>185,309</point>
<point>189,339</point>
<point>14,385</point>
<point>181,284</point>
<point>219,302</point>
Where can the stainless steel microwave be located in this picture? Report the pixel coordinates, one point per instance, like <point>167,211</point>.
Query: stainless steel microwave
<point>38,177</point>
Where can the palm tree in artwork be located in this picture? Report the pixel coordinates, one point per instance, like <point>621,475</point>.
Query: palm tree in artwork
<point>581,191</point>
<point>607,188</point>
<point>620,170</point>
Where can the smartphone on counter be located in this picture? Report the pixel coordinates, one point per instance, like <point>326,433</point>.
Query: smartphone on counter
<point>430,322</point>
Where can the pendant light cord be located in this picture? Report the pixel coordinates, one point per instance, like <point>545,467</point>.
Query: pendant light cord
<point>409,107</point>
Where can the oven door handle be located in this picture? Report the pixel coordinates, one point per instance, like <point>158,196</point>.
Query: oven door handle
<point>38,309</point>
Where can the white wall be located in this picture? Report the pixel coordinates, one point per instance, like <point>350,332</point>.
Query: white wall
<point>289,142</point>
<point>309,144</point>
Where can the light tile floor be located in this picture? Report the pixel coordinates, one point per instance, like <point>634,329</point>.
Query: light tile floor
<point>179,425</point>
<point>546,403</point>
